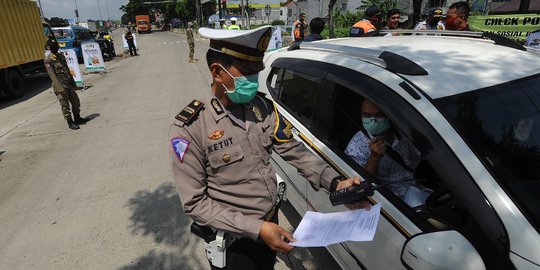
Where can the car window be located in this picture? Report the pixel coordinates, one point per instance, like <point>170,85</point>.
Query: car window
<point>62,33</point>
<point>297,92</point>
<point>502,125</point>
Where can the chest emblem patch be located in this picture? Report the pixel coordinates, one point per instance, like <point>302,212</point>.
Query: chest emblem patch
<point>216,134</point>
<point>258,113</point>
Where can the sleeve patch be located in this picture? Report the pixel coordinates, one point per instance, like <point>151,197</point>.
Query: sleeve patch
<point>180,147</point>
<point>282,131</point>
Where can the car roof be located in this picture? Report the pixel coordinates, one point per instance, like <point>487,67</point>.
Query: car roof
<point>454,64</point>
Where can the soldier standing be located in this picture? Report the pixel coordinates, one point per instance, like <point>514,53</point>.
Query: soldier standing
<point>131,43</point>
<point>63,85</point>
<point>221,147</point>
<point>191,41</point>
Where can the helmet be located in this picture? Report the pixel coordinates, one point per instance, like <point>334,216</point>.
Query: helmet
<point>233,19</point>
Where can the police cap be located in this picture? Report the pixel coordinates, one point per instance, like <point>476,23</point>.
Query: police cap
<point>51,43</point>
<point>247,45</point>
<point>372,11</point>
<point>435,12</point>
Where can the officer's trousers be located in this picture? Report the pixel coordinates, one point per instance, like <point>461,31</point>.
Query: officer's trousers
<point>69,96</point>
<point>191,50</point>
<point>132,48</point>
<point>248,254</point>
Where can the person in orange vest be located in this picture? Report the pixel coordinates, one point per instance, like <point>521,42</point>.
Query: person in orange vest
<point>300,28</point>
<point>367,26</point>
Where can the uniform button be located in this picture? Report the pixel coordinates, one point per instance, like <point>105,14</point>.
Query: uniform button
<point>226,158</point>
<point>265,140</point>
<point>236,154</point>
<point>214,160</point>
<point>256,153</point>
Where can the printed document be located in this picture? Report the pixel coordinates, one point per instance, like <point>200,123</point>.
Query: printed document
<point>320,230</point>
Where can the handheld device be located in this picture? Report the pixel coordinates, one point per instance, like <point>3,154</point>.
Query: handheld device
<point>353,193</point>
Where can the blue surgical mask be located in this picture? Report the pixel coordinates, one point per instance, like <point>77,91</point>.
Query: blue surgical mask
<point>245,88</point>
<point>376,126</point>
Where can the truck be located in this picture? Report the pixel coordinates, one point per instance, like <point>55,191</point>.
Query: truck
<point>142,23</point>
<point>22,45</point>
<point>90,25</point>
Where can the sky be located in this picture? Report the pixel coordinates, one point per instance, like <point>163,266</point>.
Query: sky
<point>88,9</point>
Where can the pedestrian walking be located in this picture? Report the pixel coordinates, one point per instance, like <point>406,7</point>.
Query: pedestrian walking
<point>191,41</point>
<point>221,147</point>
<point>63,85</point>
<point>131,43</point>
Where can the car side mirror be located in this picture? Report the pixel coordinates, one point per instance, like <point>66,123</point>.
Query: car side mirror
<point>440,250</point>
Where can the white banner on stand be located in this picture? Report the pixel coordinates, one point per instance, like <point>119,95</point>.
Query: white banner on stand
<point>73,64</point>
<point>93,60</point>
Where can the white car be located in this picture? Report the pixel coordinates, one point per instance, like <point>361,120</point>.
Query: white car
<point>470,106</point>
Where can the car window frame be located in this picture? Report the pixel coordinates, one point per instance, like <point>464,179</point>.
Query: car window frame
<point>419,130</point>
<point>308,67</point>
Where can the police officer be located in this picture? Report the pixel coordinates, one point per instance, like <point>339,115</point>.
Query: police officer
<point>131,42</point>
<point>63,85</point>
<point>191,41</point>
<point>221,147</point>
<point>233,25</point>
<point>432,22</point>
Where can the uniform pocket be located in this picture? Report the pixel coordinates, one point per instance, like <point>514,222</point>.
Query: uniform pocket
<point>225,156</point>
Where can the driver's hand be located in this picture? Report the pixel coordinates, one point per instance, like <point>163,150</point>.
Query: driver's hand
<point>377,146</point>
<point>358,204</point>
<point>275,236</point>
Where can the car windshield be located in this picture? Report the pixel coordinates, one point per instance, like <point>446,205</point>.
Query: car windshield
<point>502,125</point>
<point>142,22</point>
<point>62,33</point>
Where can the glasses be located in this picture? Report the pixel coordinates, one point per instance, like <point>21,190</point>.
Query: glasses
<point>371,120</point>
<point>394,18</point>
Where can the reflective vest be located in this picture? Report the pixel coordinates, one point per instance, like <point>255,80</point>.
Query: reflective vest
<point>299,30</point>
<point>234,27</point>
<point>366,27</point>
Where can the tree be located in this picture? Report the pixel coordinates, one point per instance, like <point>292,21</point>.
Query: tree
<point>56,21</point>
<point>331,19</point>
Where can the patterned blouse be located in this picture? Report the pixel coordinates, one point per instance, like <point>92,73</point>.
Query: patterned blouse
<point>390,172</point>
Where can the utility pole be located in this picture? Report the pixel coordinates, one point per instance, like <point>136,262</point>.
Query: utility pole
<point>108,15</point>
<point>77,12</point>
<point>99,7</point>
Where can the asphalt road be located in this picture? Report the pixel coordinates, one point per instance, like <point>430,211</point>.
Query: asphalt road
<point>101,197</point>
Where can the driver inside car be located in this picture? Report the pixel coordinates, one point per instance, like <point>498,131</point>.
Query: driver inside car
<point>385,155</point>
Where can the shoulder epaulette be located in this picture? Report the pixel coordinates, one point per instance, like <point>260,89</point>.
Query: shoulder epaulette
<point>189,112</point>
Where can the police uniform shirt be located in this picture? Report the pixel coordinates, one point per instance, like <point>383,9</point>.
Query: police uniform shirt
<point>423,25</point>
<point>221,162</point>
<point>58,70</point>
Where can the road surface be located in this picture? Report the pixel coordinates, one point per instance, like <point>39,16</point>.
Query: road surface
<point>101,197</point>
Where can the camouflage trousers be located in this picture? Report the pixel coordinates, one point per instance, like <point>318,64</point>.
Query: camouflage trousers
<point>191,50</point>
<point>69,96</point>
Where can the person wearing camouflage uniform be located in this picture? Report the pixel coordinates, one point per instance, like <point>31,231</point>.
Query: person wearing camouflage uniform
<point>63,85</point>
<point>191,41</point>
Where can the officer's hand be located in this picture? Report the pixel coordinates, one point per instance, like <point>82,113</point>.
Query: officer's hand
<point>377,146</point>
<point>274,236</point>
<point>354,205</point>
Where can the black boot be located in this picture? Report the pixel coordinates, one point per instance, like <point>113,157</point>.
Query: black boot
<point>80,120</point>
<point>72,125</point>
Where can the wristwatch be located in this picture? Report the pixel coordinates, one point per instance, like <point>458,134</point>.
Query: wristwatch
<point>335,183</point>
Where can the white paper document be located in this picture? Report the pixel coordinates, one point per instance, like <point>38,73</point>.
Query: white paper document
<point>320,230</point>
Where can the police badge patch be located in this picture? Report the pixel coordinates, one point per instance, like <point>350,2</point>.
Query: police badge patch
<point>180,147</point>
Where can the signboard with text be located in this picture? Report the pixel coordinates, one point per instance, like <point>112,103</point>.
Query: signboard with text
<point>513,26</point>
<point>93,60</point>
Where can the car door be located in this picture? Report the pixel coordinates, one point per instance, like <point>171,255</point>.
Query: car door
<point>472,216</point>
<point>296,86</point>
